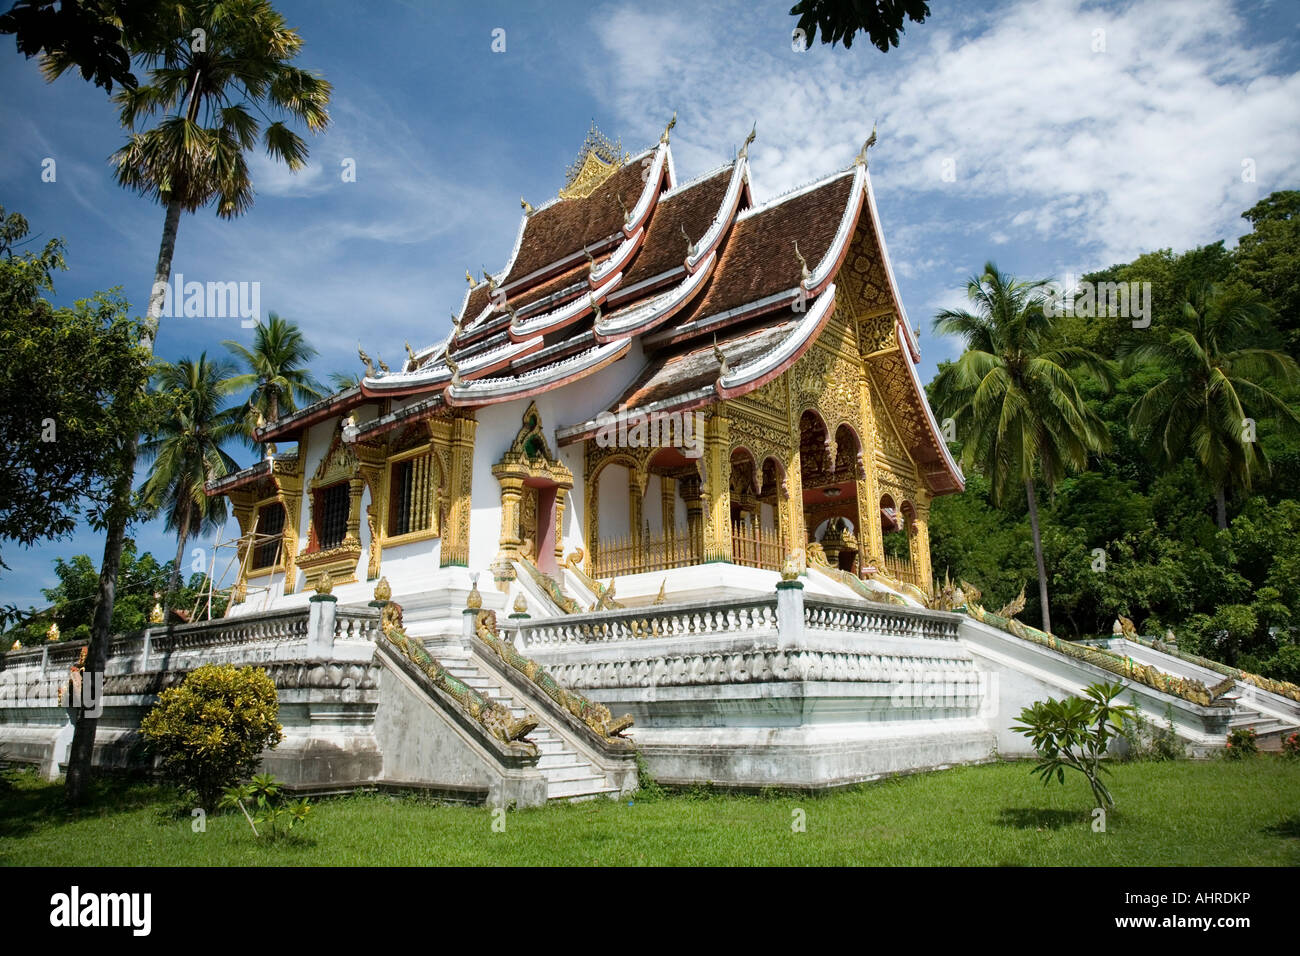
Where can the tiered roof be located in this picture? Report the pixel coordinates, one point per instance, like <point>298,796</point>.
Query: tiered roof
<point>691,270</point>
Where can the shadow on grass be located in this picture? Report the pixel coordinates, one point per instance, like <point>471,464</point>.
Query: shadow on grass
<point>1036,818</point>
<point>28,803</point>
<point>1290,827</point>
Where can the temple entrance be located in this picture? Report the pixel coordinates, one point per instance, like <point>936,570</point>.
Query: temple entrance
<point>898,527</point>
<point>533,486</point>
<point>830,469</point>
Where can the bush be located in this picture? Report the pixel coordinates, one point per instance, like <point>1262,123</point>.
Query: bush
<point>266,794</point>
<point>1242,743</point>
<point>1291,745</point>
<point>210,730</point>
<point>1075,733</point>
<point>1148,741</point>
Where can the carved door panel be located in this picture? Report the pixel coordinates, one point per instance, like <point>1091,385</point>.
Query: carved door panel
<point>528,524</point>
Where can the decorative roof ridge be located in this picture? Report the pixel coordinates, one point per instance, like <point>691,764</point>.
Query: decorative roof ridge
<point>703,177</point>
<point>754,372</point>
<point>641,316</point>
<point>949,462</point>
<point>683,332</point>
<point>723,218</point>
<point>501,388</point>
<point>304,415</point>
<point>913,346</point>
<point>789,194</point>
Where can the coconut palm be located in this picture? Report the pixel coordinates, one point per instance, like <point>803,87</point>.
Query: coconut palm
<point>277,371</point>
<point>187,450</point>
<point>1218,384</point>
<point>1012,397</point>
<point>213,72</point>
<point>342,381</point>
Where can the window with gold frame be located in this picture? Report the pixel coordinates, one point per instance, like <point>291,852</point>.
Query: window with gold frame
<point>414,496</point>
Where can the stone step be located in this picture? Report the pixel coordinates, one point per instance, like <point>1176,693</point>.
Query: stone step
<point>574,769</point>
<point>578,788</point>
<point>559,759</point>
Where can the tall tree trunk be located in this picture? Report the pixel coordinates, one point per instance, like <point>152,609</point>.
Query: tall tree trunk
<point>83,736</point>
<point>174,581</point>
<point>1038,555</point>
<point>1221,507</point>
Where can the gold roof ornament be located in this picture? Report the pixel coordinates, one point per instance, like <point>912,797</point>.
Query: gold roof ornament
<point>366,361</point>
<point>475,600</point>
<point>723,368</point>
<point>627,216</point>
<point>597,160</point>
<point>803,263</point>
<point>1016,605</point>
<point>861,158</point>
<point>383,590</point>
<point>749,141</point>
<point>455,370</point>
<point>326,584</point>
<point>526,206</point>
<point>668,129</point>
<point>473,283</point>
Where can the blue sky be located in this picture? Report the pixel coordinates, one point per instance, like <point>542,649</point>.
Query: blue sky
<point>1077,135</point>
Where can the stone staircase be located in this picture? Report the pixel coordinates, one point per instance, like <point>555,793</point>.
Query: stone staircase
<point>569,775</point>
<point>1268,729</point>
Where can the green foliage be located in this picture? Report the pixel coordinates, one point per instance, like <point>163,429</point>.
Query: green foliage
<point>142,580</point>
<point>1242,743</point>
<point>64,446</point>
<point>210,730</point>
<point>648,787</point>
<point>1148,741</point>
<point>274,812</point>
<point>1074,734</point>
<point>277,371</point>
<point>840,20</point>
<point>1230,594</point>
<point>1291,745</point>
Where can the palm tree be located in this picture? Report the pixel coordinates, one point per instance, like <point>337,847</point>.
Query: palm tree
<point>1012,397</point>
<point>187,450</point>
<point>209,68</point>
<point>277,371</point>
<point>342,381</point>
<point>1216,381</point>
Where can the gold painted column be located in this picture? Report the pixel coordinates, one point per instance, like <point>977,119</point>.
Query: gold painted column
<point>717,490</point>
<point>634,519</point>
<point>691,495</point>
<point>668,510</point>
<point>372,472</point>
<point>921,541</point>
<point>870,534</point>
<point>794,529</point>
<point>455,537</point>
<point>561,496</point>
<point>243,510</point>
<point>290,496</point>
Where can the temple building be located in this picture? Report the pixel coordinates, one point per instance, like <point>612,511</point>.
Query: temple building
<point>659,499</point>
<point>668,388</point>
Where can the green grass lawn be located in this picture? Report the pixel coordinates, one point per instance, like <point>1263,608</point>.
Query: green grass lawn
<point>1184,813</point>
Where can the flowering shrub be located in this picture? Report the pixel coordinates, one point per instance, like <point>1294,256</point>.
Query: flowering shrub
<point>1242,743</point>
<point>1291,745</point>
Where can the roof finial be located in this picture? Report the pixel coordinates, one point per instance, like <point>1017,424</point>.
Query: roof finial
<point>382,364</point>
<point>473,283</point>
<point>627,216</point>
<point>591,263</point>
<point>410,354</point>
<point>456,322</point>
<point>861,159</point>
<point>526,205</point>
<point>690,246</point>
<point>722,359</point>
<point>669,128</point>
<point>744,150</point>
<point>803,263</point>
<point>595,309</point>
<point>490,280</point>
<point>365,360</point>
<point>455,370</point>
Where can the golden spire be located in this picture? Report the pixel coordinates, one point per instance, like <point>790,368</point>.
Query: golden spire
<point>669,128</point>
<point>597,160</point>
<point>383,590</point>
<point>473,283</point>
<point>861,159</point>
<point>753,133</point>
